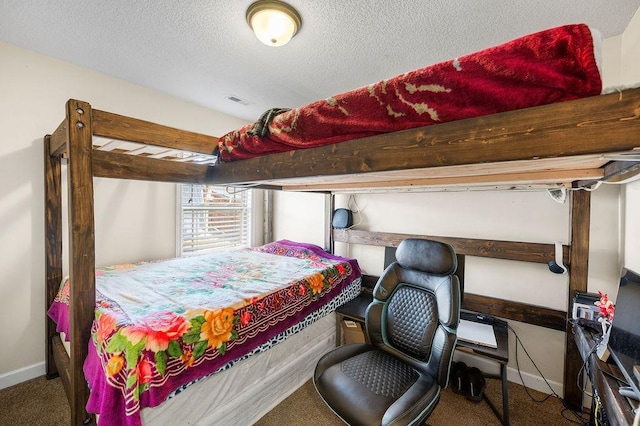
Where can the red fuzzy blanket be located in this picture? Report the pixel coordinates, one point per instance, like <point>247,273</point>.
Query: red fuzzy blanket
<point>545,67</point>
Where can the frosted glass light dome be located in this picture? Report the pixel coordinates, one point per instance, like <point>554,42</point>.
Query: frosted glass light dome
<point>273,22</point>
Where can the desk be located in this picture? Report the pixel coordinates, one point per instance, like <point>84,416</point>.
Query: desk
<point>355,310</point>
<point>618,409</point>
<point>499,355</point>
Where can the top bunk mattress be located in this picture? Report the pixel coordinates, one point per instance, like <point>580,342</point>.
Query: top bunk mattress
<point>555,65</point>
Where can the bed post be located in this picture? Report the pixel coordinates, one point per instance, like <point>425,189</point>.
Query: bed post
<point>81,250</point>
<point>53,245</point>
<point>329,206</point>
<point>579,261</point>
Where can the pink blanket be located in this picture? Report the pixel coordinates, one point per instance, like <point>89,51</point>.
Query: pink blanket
<point>546,67</point>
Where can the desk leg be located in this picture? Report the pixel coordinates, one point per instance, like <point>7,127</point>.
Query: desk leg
<point>505,395</point>
<point>504,416</point>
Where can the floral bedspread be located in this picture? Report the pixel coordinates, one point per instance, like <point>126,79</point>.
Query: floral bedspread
<point>160,325</point>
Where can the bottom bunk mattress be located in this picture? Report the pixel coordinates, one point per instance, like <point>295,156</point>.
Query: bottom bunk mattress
<point>160,326</point>
<point>241,395</point>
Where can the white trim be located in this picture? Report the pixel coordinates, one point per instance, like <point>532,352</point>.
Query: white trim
<point>534,382</point>
<point>21,375</point>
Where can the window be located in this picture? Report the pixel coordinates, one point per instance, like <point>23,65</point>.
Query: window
<point>214,217</point>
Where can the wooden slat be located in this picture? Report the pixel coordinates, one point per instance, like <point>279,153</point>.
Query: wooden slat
<point>509,179</point>
<point>59,139</point>
<point>123,166</point>
<point>62,361</point>
<point>53,244</point>
<point>509,250</point>
<point>515,168</point>
<point>594,125</point>
<point>329,208</point>
<point>613,172</point>
<point>116,126</point>
<point>618,171</point>
<point>81,252</point>
<point>580,223</point>
<point>535,315</point>
<point>111,145</point>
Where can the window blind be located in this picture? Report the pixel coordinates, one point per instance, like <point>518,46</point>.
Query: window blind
<point>214,217</point>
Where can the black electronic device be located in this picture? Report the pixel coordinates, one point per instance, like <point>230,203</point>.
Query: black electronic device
<point>592,325</point>
<point>624,337</point>
<point>584,306</point>
<point>342,218</point>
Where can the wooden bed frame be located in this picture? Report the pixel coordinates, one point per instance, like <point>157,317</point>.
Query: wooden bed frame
<point>574,143</point>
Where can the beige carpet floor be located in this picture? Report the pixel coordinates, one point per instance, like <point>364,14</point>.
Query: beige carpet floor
<point>304,407</point>
<point>43,402</point>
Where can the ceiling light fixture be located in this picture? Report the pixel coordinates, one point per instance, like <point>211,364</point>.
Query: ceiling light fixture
<point>273,22</point>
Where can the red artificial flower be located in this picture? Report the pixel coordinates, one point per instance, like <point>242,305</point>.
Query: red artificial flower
<point>606,306</point>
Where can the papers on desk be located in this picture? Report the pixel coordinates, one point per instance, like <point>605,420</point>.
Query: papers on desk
<point>477,333</point>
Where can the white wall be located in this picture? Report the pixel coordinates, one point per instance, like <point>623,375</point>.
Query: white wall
<point>630,74</point>
<point>631,258</point>
<point>509,215</point>
<point>630,52</point>
<point>134,220</point>
<point>299,217</point>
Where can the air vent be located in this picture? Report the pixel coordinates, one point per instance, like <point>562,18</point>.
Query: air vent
<point>238,100</point>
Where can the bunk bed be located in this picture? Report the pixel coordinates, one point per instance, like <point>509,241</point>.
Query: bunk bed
<point>574,142</point>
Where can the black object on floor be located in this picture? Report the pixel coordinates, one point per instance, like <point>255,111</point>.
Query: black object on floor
<point>458,378</point>
<point>476,384</point>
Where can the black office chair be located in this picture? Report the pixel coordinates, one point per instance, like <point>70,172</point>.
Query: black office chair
<point>396,378</point>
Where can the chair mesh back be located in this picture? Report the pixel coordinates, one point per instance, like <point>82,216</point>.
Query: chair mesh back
<point>412,319</point>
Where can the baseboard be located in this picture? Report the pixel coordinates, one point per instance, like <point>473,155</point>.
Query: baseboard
<point>21,375</point>
<point>532,381</point>
<point>535,382</point>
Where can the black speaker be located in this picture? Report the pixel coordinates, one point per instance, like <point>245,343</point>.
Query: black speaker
<point>342,218</point>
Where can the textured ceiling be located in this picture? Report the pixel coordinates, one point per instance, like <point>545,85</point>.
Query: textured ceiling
<point>203,51</point>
